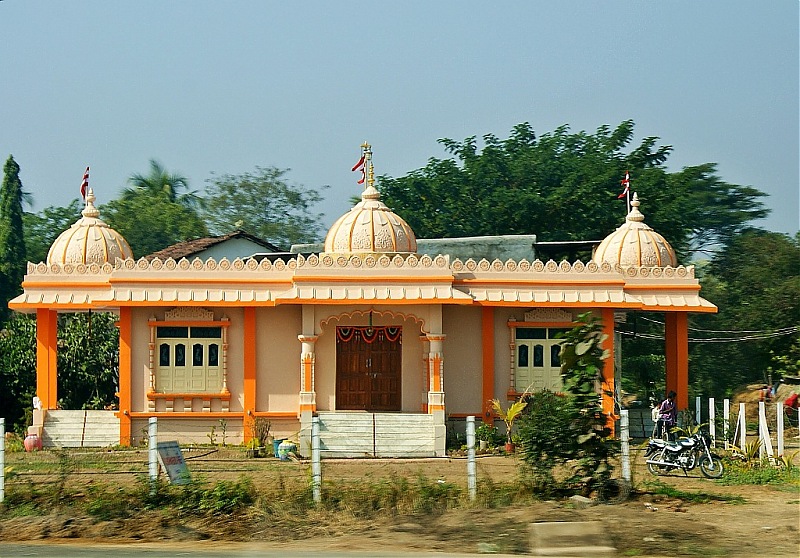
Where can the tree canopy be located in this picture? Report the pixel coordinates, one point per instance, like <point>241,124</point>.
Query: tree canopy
<point>755,282</point>
<point>264,204</point>
<point>159,181</point>
<point>564,186</point>
<point>41,229</point>
<point>151,221</point>
<point>12,236</point>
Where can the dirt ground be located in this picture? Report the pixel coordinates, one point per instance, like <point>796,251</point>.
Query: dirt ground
<point>767,524</point>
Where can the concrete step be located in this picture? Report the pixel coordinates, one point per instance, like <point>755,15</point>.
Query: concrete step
<point>359,434</point>
<point>73,429</point>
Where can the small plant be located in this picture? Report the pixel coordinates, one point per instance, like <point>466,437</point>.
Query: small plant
<point>510,415</point>
<point>787,461</point>
<point>14,443</point>
<point>488,433</point>
<point>259,431</point>
<point>212,435</point>
<point>223,425</point>
<point>750,454</point>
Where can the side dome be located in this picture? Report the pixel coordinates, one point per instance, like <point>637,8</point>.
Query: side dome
<point>89,240</point>
<point>635,244</point>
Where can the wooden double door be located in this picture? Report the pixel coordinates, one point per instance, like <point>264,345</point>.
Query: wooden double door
<point>368,368</point>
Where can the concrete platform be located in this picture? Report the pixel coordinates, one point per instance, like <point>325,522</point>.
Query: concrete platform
<point>580,538</point>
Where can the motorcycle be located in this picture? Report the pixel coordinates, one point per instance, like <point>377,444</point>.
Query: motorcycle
<point>685,454</point>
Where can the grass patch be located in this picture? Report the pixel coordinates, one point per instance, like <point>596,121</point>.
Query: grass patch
<point>695,497</point>
<point>760,474</point>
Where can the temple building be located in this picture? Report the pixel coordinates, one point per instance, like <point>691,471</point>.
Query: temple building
<point>382,340</point>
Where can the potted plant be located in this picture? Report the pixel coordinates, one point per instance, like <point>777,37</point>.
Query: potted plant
<point>508,416</point>
<point>252,448</point>
<point>487,435</point>
<point>260,437</point>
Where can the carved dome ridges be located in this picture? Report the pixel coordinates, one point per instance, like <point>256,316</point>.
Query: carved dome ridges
<point>635,244</point>
<point>89,240</point>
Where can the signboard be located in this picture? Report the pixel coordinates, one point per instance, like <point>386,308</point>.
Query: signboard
<point>171,460</point>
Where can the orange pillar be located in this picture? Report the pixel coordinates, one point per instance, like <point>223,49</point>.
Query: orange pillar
<point>47,357</point>
<point>436,368</point>
<point>308,389</point>
<point>249,372</point>
<point>607,384</point>
<point>125,377</point>
<point>487,342</point>
<point>676,348</point>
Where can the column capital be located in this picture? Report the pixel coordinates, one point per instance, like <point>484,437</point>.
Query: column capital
<point>307,338</point>
<point>435,336</point>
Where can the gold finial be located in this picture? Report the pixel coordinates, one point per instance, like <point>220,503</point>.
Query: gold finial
<point>371,176</point>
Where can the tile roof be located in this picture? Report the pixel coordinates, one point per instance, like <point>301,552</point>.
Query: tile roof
<point>189,248</point>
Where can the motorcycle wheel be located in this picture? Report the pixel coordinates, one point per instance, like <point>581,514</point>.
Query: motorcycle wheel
<point>691,462</point>
<point>710,467</point>
<point>653,468</point>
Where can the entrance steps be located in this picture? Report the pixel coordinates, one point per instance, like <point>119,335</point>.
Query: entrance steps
<point>364,434</point>
<point>80,429</point>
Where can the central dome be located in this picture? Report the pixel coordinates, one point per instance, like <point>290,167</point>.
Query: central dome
<point>89,240</point>
<point>635,244</point>
<point>370,226</point>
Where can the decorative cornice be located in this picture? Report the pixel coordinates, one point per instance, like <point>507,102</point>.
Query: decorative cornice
<point>360,262</point>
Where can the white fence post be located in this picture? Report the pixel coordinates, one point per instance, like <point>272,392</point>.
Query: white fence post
<point>697,410</point>
<point>763,432</point>
<point>624,436</point>
<point>152,434</point>
<point>712,426</point>
<point>726,420</point>
<point>742,428</point>
<point>471,481</point>
<point>2,459</point>
<point>779,410</point>
<point>316,469</point>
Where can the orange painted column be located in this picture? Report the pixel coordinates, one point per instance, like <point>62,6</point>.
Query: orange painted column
<point>47,357</point>
<point>607,384</point>
<point>487,346</point>
<point>676,349</point>
<point>308,393</point>
<point>436,368</point>
<point>426,371</point>
<point>249,373</point>
<point>125,375</point>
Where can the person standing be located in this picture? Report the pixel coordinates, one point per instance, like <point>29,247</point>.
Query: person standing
<point>667,416</point>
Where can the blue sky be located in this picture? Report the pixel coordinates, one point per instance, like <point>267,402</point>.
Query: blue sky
<point>224,87</point>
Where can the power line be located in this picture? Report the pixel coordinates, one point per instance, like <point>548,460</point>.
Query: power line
<point>754,331</point>
<point>759,337</point>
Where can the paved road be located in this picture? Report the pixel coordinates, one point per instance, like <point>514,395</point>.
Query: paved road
<point>197,550</point>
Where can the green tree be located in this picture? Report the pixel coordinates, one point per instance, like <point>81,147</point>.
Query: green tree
<point>88,369</point>
<point>263,204</point>
<point>755,281</point>
<point>12,236</point>
<point>564,186</point>
<point>17,370</point>
<point>42,228</point>
<point>151,221</point>
<point>159,181</point>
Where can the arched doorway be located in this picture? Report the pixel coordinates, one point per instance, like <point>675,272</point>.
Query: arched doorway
<point>368,368</point>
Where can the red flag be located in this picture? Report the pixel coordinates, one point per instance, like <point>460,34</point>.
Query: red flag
<point>358,165</point>
<point>627,184</point>
<point>85,184</point>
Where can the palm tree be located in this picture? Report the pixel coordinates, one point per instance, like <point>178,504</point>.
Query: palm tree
<point>159,181</point>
